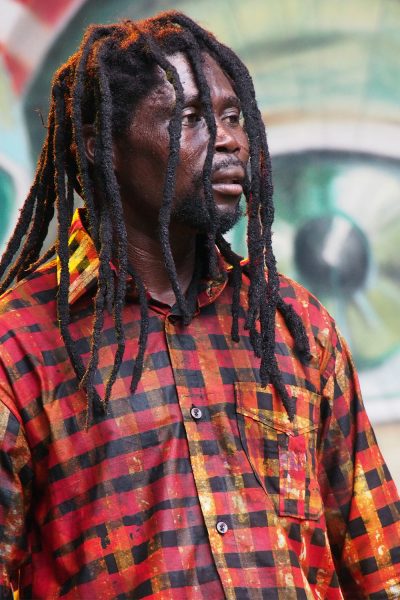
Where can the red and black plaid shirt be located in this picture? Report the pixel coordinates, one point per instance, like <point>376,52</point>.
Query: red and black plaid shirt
<point>198,485</point>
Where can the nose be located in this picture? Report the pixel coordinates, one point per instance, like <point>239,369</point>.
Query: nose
<point>226,139</point>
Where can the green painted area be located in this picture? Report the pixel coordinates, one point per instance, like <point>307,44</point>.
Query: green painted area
<point>7,199</point>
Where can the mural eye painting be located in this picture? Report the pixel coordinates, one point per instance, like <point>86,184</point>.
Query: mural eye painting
<point>339,242</point>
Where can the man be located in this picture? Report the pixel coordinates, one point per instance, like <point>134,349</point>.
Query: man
<point>175,422</point>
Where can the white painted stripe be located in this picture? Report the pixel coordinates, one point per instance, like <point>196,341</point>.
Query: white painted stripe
<point>28,38</point>
<point>372,137</point>
<point>10,14</point>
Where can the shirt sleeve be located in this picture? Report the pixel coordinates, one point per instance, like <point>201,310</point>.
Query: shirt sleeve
<point>15,491</point>
<point>362,506</point>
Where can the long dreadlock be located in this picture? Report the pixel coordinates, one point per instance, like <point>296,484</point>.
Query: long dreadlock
<point>114,63</point>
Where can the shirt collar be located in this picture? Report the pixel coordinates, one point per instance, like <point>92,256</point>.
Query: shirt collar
<point>84,266</point>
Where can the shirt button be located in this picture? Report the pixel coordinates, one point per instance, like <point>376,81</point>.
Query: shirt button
<point>196,412</point>
<point>222,527</point>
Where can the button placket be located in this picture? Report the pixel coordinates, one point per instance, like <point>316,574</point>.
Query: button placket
<point>200,426</point>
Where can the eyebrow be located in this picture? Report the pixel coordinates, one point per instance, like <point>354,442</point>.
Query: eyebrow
<point>228,101</point>
<point>232,100</point>
<point>192,99</point>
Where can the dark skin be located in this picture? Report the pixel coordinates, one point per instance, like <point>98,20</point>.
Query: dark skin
<point>140,159</point>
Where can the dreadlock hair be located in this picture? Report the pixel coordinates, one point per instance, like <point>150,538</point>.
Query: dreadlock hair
<point>100,84</point>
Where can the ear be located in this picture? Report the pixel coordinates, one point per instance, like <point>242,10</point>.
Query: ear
<point>89,140</point>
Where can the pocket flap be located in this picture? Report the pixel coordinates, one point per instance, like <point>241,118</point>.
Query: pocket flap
<point>265,405</point>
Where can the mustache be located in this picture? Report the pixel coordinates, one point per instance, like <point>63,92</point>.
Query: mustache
<point>231,161</point>
<point>234,161</point>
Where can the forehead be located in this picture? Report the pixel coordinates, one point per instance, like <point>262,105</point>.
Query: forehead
<point>214,75</point>
<point>218,82</point>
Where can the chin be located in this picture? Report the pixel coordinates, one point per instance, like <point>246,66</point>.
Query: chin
<point>228,216</point>
<point>193,213</point>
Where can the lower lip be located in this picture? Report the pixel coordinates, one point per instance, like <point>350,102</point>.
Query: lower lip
<point>228,189</point>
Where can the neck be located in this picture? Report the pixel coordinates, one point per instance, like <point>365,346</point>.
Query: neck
<point>146,256</point>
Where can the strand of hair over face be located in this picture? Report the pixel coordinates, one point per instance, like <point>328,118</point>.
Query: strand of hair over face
<point>115,66</point>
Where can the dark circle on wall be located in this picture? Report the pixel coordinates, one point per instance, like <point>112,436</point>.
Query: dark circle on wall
<point>7,202</point>
<point>332,255</point>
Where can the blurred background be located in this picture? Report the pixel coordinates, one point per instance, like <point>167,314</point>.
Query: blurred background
<point>327,75</point>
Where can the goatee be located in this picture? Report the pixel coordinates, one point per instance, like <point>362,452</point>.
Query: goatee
<point>193,209</point>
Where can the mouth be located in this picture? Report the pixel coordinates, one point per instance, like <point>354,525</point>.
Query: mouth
<point>228,182</point>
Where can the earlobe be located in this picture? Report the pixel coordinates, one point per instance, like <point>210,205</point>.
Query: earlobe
<point>89,138</point>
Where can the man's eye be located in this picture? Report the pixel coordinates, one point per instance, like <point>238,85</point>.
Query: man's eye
<point>233,118</point>
<point>191,118</point>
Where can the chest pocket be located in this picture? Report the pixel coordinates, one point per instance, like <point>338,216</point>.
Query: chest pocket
<point>282,454</point>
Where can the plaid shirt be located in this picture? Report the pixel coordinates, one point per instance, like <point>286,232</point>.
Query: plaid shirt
<point>198,485</point>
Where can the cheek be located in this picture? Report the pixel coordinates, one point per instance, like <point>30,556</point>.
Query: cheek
<point>191,158</point>
<point>194,143</point>
<point>243,141</point>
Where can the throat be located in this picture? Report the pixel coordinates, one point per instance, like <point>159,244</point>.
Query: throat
<point>149,263</point>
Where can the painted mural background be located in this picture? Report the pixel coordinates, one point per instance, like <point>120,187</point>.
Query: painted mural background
<point>327,77</point>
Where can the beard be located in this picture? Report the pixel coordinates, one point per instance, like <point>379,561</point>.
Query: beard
<point>194,212</point>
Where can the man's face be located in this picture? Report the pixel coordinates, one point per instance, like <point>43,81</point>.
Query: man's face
<point>141,155</point>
